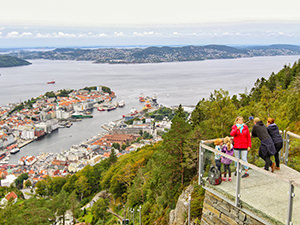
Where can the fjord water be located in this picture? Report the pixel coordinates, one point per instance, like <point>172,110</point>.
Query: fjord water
<point>173,83</point>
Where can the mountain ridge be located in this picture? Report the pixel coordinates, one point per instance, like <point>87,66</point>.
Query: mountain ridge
<point>155,54</point>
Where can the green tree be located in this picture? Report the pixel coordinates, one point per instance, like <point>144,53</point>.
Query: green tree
<point>61,204</point>
<point>28,183</point>
<point>82,187</point>
<point>99,210</point>
<point>20,179</point>
<point>116,146</point>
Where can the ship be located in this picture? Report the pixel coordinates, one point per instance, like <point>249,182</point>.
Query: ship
<point>121,104</point>
<point>2,155</point>
<point>51,82</point>
<point>14,151</point>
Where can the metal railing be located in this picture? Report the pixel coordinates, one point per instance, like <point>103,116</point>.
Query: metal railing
<point>237,198</point>
<point>286,136</point>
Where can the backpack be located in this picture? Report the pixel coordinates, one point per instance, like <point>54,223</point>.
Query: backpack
<point>214,176</point>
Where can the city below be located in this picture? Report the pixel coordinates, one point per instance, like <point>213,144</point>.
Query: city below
<point>31,120</point>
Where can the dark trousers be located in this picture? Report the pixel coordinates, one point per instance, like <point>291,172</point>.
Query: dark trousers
<point>218,164</point>
<point>268,161</point>
<point>278,147</point>
<point>227,168</point>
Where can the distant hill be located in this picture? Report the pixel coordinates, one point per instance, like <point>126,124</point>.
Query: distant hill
<point>11,61</point>
<point>160,54</point>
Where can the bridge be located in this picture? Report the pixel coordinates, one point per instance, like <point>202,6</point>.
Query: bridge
<point>270,198</point>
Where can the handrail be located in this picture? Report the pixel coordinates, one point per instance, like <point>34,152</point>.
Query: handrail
<point>293,134</point>
<point>258,169</point>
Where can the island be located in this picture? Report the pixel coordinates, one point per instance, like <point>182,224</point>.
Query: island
<point>12,61</point>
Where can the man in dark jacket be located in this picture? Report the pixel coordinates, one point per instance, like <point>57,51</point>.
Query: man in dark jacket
<point>267,148</point>
<point>277,139</point>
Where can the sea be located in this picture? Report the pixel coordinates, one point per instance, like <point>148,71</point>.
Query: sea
<point>172,83</point>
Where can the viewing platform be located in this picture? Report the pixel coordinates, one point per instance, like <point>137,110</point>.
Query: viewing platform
<point>270,198</point>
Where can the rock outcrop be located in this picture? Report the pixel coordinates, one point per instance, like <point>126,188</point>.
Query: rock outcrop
<point>178,216</point>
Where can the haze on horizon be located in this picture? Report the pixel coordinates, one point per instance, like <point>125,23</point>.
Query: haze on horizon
<point>139,22</point>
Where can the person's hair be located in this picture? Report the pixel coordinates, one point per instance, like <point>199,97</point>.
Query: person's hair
<point>239,117</point>
<point>218,141</point>
<point>271,120</point>
<point>256,119</point>
<point>227,141</point>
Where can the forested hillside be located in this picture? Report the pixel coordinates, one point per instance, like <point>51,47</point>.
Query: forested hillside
<point>153,177</point>
<point>11,61</point>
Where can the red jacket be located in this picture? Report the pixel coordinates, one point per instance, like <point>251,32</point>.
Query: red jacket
<point>241,140</point>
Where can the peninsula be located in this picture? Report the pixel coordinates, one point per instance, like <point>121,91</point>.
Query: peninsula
<point>11,61</point>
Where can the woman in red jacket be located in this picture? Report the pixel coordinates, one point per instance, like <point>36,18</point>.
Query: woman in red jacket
<point>242,141</point>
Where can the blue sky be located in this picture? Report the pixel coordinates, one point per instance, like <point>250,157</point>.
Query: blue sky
<point>60,23</point>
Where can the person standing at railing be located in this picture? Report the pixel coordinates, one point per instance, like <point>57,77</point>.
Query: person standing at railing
<point>241,141</point>
<point>218,146</point>
<point>227,149</point>
<point>277,139</point>
<point>267,148</point>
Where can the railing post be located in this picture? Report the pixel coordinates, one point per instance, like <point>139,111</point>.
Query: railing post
<point>291,196</point>
<point>189,210</point>
<point>287,142</point>
<point>282,153</point>
<point>200,175</point>
<point>238,185</point>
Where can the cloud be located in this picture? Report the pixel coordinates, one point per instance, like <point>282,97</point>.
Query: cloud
<point>119,34</point>
<point>145,33</point>
<point>40,35</point>
<point>64,35</point>
<point>13,34</point>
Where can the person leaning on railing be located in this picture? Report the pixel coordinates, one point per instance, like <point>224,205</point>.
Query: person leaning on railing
<point>277,139</point>
<point>267,148</point>
<point>241,140</point>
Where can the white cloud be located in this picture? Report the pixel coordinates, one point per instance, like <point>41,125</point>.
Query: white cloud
<point>101,35</point>
<point>119,34</point>
<point>65,35</point>
<point>13,34</point>
<point>40,35</point>
<point>26,34</point>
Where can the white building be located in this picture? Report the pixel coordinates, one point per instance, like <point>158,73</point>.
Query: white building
<point>8,180</point>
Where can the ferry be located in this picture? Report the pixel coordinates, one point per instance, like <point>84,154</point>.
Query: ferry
<point>51,82</point>
<point>14,151</point>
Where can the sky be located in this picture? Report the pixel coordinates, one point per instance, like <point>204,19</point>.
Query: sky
<point>40,23</point>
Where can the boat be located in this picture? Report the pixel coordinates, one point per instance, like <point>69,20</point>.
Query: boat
<point>2,155</point>
<point>121,104</point>
<point>100,109</point>
<point>81,116</point>
<point>111,108</point>
<point>51,82</point>
<point>14,151</point>
<point>142,99</point>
